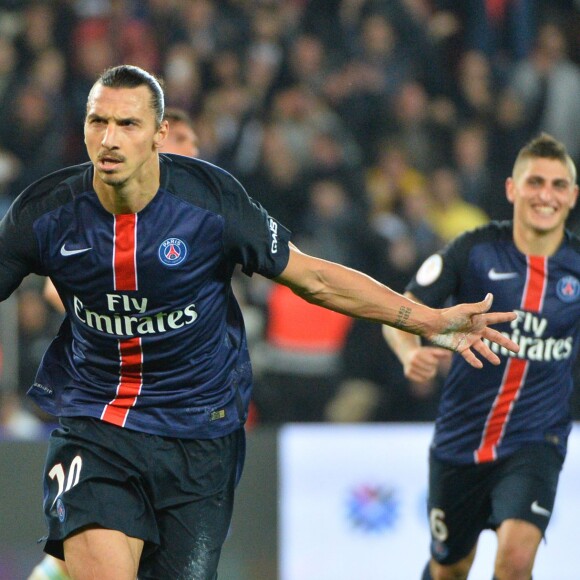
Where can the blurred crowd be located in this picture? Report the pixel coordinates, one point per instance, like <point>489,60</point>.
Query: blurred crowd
<point>376,130</point>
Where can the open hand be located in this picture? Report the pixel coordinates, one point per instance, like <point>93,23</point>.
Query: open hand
<point>465,325</point>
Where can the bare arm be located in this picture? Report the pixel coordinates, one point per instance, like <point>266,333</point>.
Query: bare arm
<point>51,296</point>
<point>355,294</point>
<point>420,363</point>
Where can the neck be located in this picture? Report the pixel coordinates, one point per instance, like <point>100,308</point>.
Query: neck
<point>130,196</point>
<point>534,243</point>
<point>117,200</point>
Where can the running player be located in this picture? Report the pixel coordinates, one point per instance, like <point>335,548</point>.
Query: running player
<point>500,435</point>
<point>150,373</point>
<point>181,140</point>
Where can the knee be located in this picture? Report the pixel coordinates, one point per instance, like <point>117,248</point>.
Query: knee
<point>514,563</point>
<point>457,571</point>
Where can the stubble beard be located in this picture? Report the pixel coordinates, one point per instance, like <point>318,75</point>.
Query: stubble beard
<point>112,180</point>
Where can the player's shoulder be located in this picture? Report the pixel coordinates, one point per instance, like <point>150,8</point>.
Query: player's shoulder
<point>573,241</point>
<point>183,175</point>
<point>55,188</point>
<point>492,232</point>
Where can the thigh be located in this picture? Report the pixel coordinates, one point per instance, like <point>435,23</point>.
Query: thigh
<point>526,486</point>
<point>195,491</point>
<point>459,508</point>
<point>93,478</point>
<point>95,552</point>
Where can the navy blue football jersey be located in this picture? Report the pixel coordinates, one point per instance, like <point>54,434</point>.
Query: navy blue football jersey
<point>489,413</point>
<point>153,339</point>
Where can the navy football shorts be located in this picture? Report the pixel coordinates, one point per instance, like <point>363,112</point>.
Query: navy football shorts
<point>175,494</point>
<point>464,500</point>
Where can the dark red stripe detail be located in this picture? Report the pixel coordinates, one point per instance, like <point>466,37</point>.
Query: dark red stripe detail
<point>125,251</point>
<point>537,274</point>
<point>129,384</point>
<point>497,420</point>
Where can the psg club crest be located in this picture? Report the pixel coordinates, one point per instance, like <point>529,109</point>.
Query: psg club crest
<point>172,252</point>
<point>568,289</point>
<point>60,510</point>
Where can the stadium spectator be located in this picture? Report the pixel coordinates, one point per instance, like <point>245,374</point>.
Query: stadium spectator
<point>543,83</point>
<point>449,214</point>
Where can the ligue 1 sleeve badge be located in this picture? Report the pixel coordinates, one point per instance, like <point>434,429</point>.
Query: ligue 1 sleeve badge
<point>172,252</point>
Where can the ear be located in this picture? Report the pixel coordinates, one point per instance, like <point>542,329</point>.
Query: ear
<point>510,189</point>
<point>574,197</point>
<point>161,134</point>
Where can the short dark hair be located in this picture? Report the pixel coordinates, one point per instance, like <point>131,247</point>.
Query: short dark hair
<point>177,115</point>
<point>127,76</point>
<point>547,147</point>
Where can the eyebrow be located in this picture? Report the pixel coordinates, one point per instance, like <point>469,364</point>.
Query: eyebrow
<point>556,180</point>
<point>96,116</point>
<point>561,181</point>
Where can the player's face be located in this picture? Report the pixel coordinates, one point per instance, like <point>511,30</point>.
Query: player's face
<point>121,134</point>
<point>181,139</point>
<point>543,194</point>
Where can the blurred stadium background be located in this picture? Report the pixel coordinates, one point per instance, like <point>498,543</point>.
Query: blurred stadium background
<point>375,129</point>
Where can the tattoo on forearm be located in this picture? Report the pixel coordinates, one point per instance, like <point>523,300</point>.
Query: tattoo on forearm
<point>402,317</point>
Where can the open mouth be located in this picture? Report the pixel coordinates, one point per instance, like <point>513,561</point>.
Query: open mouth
<point>545,210</point>
<point>108,163</point>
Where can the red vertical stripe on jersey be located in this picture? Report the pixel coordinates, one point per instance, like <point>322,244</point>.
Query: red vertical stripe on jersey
<point>125,251</point>
<point>535,284</point>
<point>130,381</point>
<point>515,373</point>
<point>130,351</point>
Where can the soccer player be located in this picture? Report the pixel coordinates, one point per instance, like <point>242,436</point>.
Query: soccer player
<point>500,435</point>
<point>181,140</point>
<point>150,373</point>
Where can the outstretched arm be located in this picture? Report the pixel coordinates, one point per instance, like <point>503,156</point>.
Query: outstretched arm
<point>460,328</point>
<point>420,363</point>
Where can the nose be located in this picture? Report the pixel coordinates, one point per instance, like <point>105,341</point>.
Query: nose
<point>545,193</point>
<point>109,136</point>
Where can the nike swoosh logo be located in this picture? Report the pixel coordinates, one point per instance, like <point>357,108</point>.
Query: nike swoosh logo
<point>493,275</point>
<point>538,509</point>
<point>65,252</point>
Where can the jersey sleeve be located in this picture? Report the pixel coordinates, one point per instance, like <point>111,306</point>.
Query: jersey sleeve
<point>252,237</point>
<point>439,276</point>
<point>18,246</point>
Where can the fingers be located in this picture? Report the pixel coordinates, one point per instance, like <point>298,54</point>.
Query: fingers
<point>497,337</point>
<point>417,376</point>
<point>420,374</point>
<point>487,302</point>
<point>420,369</point>
<point>493,317</point>
<point>483,306</point>
<point>486,352</point>
<point>497,317</point>
<point>439,353</point>
<point>423,365</point>
<point>468,355</point>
